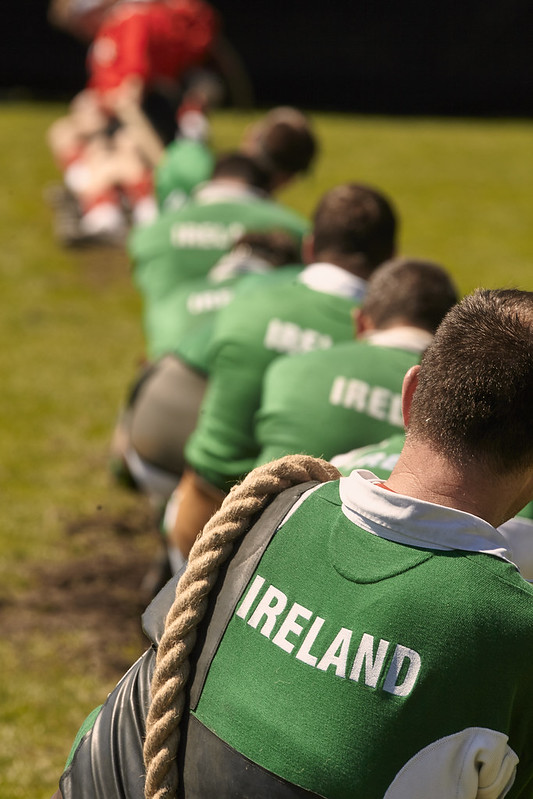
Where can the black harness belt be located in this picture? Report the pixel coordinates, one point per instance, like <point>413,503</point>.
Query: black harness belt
<point>108,763</point>
<point>208,766</point>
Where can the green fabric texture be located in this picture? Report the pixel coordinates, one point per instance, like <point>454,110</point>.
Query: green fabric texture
<point>379,458</point>
<point>183,245</point>
<point>184,312</point>
<point>194,344</point>
<point>83,730</point>
<point>250,333</point>
<point>348,654</point>
<point>322,403</point>
<point>185,164</point>
<point>527,512</point>
<point>183,321</point>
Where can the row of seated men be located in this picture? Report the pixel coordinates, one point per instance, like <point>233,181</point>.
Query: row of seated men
<point>295,339</point>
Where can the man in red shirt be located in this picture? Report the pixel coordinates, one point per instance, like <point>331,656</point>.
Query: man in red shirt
<point>118,125</point>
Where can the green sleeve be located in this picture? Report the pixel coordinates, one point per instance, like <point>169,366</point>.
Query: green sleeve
<point>222,448</point>
<point>251,332</point>
<point>83,730</point>
<point>184,165</point>
<point>282,425</point>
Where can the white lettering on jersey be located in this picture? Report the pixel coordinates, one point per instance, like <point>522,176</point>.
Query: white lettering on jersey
<point>268,610</point>
<point>397,672</point>
<point>251,596</point>
<point>290,625</point>
<point>337,653</point>
<point>304,653</point>
<point>375,401</point>
<point>288,337</point>
<point>402,654</point>
<point>204,301</point>
<point>205,235</point>
<point>365,654</point>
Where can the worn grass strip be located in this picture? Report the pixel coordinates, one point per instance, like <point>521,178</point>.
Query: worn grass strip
<point>70,340</point>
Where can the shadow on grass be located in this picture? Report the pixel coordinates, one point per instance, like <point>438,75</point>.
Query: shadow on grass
<point>91,603</point>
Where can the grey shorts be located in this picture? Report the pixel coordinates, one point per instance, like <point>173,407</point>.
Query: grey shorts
<point>162,413</point>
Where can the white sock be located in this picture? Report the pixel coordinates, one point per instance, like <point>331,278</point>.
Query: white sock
<point>103,218</point>
<point>145,211</point>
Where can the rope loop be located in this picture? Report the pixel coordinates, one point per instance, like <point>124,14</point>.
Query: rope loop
<point>210,550</point>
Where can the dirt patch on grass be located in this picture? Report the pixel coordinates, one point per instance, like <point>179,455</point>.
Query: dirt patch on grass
<point>92,602</point>
<point>103,266</point>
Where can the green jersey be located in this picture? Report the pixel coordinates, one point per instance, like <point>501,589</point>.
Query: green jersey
<point>184,165</point>
<point>185,244</point>
<point>183,322</point>
<point>360,664</point>
<point>380,458</point>
<point>323,403</point>
<point>371,645</point>
<point>250,333</point>
<point>183,312</point>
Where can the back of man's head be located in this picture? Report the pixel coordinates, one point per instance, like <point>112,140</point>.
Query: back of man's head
<point>275,247</point>
<point>472,403</point>
<point>283,143</point>
<point>409,291</point>
<point>241,168</point>
<point>258,251</point>
<point>354,226</point>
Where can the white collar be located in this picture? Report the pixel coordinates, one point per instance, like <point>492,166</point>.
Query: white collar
<point>217,191</point>
<point>331,279</point>
<point>403,337</point>
<point>413,522</point>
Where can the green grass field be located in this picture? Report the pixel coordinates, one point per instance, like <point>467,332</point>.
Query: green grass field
<point>70,340</point>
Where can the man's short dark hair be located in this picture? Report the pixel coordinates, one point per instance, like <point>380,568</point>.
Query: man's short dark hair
<point>277,247</point>
<point>355,220</point>
<point>473,399</point>
<point>409,291</point>
<point>241,167</point>
<point>286,143</point>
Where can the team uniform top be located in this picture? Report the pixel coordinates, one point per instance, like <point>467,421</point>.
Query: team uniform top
<point>322,403</point>
<point>312,312</point>
<point>185,319</point>
<point>156,41</point>
<point>382,649</point>
<point>352,666</point>
<point>185,244</point>
<point>381,459</point>
<point>184,165</point>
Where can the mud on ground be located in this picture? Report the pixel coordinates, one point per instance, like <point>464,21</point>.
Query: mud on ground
<point>93,601</point>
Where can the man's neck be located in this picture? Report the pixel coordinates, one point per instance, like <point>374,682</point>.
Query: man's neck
<point>424,474</point>
<point>355,263</point>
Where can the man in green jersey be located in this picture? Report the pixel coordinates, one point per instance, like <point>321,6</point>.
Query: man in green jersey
<point>193,306</point>
<point>185,244</point>
<point>282,141</point>
<point>381,459</point>
<point>324,401</point>
<point>372,639</point>
<point>163,403</point>
<point>354,231</point>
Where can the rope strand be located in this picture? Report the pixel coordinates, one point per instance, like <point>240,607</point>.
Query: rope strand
<point>210,550</point>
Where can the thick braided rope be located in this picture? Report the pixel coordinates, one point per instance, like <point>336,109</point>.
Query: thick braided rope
<point>211,549</point>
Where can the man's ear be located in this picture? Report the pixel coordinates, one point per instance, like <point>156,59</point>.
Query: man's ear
<point>410,383</point>
<point>362,322</point>
<point>308,249</point>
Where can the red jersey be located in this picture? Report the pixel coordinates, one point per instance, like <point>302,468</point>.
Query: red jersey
<point>152,40</point>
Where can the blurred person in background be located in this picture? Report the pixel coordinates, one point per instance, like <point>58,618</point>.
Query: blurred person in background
<point>142,88</point>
